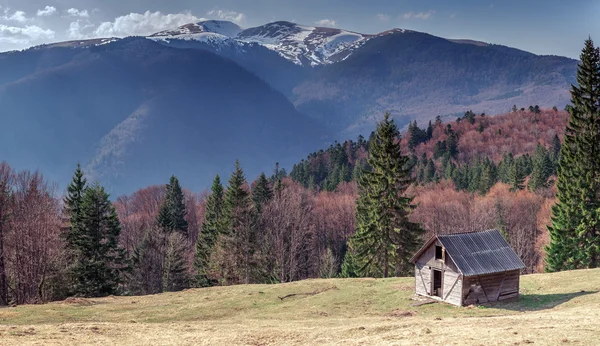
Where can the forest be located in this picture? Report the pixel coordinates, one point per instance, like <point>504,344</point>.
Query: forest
<point>358,208</point>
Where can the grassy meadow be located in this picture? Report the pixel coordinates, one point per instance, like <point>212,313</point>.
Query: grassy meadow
<point>559,308</point>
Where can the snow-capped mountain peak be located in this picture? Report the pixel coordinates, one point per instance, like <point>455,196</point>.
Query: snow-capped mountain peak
<point>305,44</point>
<point>300,44</point>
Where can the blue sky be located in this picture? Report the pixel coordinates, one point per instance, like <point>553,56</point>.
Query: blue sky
<point>540,26</point>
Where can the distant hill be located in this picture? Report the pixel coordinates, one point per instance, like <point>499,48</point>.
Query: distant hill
<point>133,112</point>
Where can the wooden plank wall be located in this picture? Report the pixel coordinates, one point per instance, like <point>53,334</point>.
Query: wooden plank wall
<point>451,281</point>
<point>452,290</point>
<point>422,279</point>
<point>481,289</point>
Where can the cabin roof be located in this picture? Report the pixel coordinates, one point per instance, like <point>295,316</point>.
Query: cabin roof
<point>477,253</point>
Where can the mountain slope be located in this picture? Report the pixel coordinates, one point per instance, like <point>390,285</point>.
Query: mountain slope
<point>135,111</point>
<point>419,76</point>
<point>319,311</point>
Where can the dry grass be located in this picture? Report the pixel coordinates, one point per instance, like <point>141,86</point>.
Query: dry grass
<point>562,308</point>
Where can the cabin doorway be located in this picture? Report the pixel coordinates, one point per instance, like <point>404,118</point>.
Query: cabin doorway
<point>437,283</point>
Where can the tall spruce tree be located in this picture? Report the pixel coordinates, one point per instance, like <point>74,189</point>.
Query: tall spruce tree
<point>96,235</point>
<point>171,216</point>
<point>262,193</point>
<point>385,238</point>
<point>72,204</point>
<point>542,169</point>
<point>239,238</point>
<point>211,227</point>
<point>516,176</point>
<point>575,228</point>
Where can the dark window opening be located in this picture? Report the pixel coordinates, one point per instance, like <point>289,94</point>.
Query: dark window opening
<point>437,283</point>
<point>439,253</point>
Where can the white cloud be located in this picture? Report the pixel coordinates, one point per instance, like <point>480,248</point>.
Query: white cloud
<point>24,35</point>
<point>47,11</point>
<point>383,17</point>
<point>326,22</point>
<point>452,15</point>
<point>137,24</point>
<point>418,15</point>
<point>232,16</point>
<point>18,16</point>
<point>79,30</point>
<point>74,12</point>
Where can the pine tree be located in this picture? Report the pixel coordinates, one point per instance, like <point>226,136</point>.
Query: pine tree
<point>96,235</point>
<point>171,216</point>
<point>429,131</point>
<point>385,238</point>
<point>429,172</point>
<point>209,233</point>
<point>72,204</point>
<point>555,152</point>
<point>239,238</point>
<point>516,176</point>
<point>574,232</point>
<point>542,169</point>
<point>262,193</point>
<point>488,177</point>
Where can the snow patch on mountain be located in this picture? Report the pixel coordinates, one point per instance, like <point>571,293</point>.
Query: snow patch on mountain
<point>300,44</point>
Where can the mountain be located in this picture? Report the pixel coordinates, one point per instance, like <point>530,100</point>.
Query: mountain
<point>204,30</point>
<point>305,45</point>
<point>347,80</point>
<point>133,112</point>
<point>197,97</point>
<point>419,76</point>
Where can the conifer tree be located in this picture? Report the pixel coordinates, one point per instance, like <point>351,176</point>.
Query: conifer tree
<point>429,172</point>
<point>385,238</point>
<point>574,232</point>
<point>96,235</point>
<point>542,168</point>
<point>171,216</point>
<point>516,176</point>
<point>262,193</point>
<point>72,204</point>
<point>488,177</point>
<point>209,233</point>
<point>239,238</point>
<point>555,152</point>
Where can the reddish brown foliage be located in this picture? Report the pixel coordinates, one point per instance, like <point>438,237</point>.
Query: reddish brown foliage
<point>517,133</point>
<point>522,216</point>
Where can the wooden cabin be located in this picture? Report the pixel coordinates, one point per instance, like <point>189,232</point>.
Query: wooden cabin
<point>467,268</point>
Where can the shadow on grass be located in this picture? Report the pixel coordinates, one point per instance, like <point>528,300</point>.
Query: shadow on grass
<point>536,302</point>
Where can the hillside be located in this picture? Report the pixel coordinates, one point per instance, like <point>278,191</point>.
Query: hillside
<point>347,79</point>
<point>419,76</point>
<point>559,308</point>
<point>133,112</point>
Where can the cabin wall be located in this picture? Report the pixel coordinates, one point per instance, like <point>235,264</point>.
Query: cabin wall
<point>422,279</point>
<point>452,287</point>
<point>488,288</point>
<point>451,277</point>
